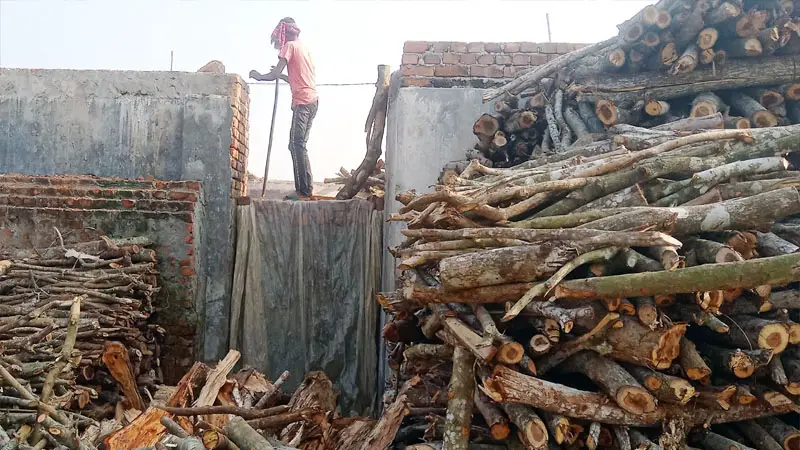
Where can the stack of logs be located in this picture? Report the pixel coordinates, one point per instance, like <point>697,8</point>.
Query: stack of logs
<point>673,60</point>
<point>74,331</point>
<point>215,408</point>
<point>584,298</point>
<point>374,185</point>
<point>636,289</point>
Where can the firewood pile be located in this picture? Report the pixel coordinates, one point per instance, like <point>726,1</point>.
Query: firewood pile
<point>631,284</point>
<point>74,334</point>
<point>217,408</point>
<point>676,59</point>
<point>374,186</point>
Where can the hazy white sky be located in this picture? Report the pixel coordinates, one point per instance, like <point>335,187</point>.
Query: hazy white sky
<point>348,40</point>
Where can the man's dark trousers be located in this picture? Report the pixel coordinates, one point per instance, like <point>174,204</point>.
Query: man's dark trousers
<point>302,118</point>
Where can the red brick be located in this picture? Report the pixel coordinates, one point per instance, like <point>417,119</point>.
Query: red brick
<point>452,71</point>
<point>432,58</point>
<point>522,59</point>
<point>493,47</point>
<point>188,262</point>
<point>440,47</point>
<point>189,239</point>
<point>508,72</point>
<point>188,271</point>
<point>548,47</point>
<point>529,47</point>
<point>486,71</point>
<point>128,204</point>
<point>189,227</point>
<point>538,59</point>
<point>420,71</point>
<point>458,47</point>
<point>417,82</point>
<point>410,58</point>
<point>469,58</point>
<point>416,47</point>
<point>486,59</point>
<point>503,59</point>
<point>475,47</point>
<point>563,47</point>
<point>451,58</point>
<point>511,47</point>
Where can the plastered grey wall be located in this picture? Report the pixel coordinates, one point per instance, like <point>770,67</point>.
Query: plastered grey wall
<point>426,128</point>
<point>165,125</point>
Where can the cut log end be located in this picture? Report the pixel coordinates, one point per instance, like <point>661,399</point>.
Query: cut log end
<point>656,108</point>
<point>616,59</point>
<point>774,336</point>
<point>764,119</point>
<point>606,112</point>
<point>540,344</point>
<point>535,433</point>
<point>741,365</point>
<point>510,353</point>
<point>635,400</point>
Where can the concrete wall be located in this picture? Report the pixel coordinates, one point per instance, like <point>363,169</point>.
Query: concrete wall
<point>426,128</point>
<point>162,125</point>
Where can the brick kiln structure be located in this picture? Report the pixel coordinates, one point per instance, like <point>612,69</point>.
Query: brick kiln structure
<point>474,64</point>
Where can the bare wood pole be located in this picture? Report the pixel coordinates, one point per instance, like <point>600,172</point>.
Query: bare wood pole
<point>271,135</point>
<point>549,36</point>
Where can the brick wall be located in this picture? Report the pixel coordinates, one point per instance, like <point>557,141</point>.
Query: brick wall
<point>240,103</point>
<point>474,64</point>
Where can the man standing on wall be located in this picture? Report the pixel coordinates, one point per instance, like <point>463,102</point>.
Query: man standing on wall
<point>294,55</point>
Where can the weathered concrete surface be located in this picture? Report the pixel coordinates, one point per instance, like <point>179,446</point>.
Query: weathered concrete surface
<point>165,125</point>
<point>426,128</point>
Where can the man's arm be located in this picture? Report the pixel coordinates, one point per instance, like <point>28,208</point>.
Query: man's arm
<point>273,75</point>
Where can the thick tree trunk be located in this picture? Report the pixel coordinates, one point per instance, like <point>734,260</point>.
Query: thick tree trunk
<point>747,106</point>
<point>640,345</point>
<point>707,104</point>
<point>740,363</point>
<point>461,393</point>
<point>747,331</point>
<point>787,435</point>
<point>506,385</point>
<point>666,388</point>
<point>484,129</point>
<point>776,270</point>
<point>758,436</point>
<point>712,252</point>
<point>613,380</point>
<point>628,89</point>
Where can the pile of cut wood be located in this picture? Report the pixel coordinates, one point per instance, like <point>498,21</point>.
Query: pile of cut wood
<point>374,185</point>
<point>636,288</point>
<point>673,60</point>
<point>74,332</point>
<point>210,408</point>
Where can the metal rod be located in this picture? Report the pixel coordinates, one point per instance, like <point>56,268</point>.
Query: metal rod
<point>271,134</point>
<point>549,37</point>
